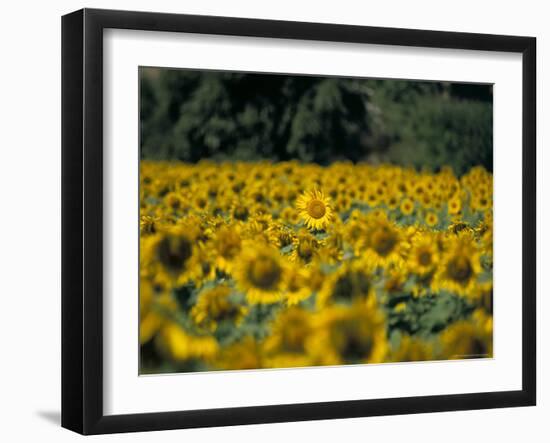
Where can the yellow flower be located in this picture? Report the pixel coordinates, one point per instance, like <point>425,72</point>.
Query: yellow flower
<point>349,335</point>
<point>460,266</point>
<point>468,339</point>
<point>214,306</point>
<point>296,286</point>
<point>384,242</point>
<point>315,209</point>
<point>454,205</point>
<point>407,206</point>
<point>286,345</point>
<point>431,219</point>
<point>305,248</point>
<point>260,274</point>
<point>424,255</point>
<point>175,251</point>
<point>227,245</point>
<point>147,224</point>
<point>219,237</point>
<point>348,284</point>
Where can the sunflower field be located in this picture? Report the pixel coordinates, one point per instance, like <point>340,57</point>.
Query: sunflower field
<point>247,265</point>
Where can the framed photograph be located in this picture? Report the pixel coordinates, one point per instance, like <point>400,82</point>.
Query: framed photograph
<point>268,221</point>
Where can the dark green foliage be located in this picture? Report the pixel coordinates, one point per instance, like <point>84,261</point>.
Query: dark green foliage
<point>251,116</point>
<point>190,115</point>
<point>427,315</point>
<point>431,124</point>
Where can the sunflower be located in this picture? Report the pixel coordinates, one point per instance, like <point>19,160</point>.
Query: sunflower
<point>214,306</point>
<point>349,335</point>
<point>227,245</point>
<point>280,236</point>
<point>296,286</point>
<point>286,345</point>
<point>424,255</point>
<point>349,283</point>
<point>148,224</point>
<point>395,279</point>
<point>332,249</point>
<point>239,211</point>
<point>468,338</point>
<point>175,251</point>
<point>314,208</point>
<point>260,274</point>
<point>306,248</point>
<point>173,201</point>
<point>217,239</point>
<point>454,205</point>
<point>407,206</point>
<point>384,242</point>
<point>431,219</point>
<point>460,265</point>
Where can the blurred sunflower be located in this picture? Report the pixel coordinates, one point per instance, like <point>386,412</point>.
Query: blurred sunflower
<point>260,274</point>
<point>424,255</point>
<point>286,345</point>
<point>459,266</point>
<point>349,335</point>
<point>214,306</point>
<point>468,339</point>
<point>227,245</point>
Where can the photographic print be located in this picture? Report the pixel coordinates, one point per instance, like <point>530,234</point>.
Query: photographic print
<point>298,221</point>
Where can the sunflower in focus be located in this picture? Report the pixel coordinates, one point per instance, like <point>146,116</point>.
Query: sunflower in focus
<point>314,209</point>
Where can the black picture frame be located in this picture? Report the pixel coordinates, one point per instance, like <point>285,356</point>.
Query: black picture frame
<point>82,220</point>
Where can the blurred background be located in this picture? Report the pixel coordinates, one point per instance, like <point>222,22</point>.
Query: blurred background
<point>188,115</point>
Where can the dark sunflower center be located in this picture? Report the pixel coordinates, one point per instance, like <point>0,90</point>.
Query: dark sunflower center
<point>173,252</point>
<point>353,346</point>
<point>230,246</point>
<point>265,272</point>
<point>240,213</point>
<point>305,251</point>
<point>285,238</point>
<point>460,269</point>
<point>383,242</point>
<point>293,335</point>
<point>350,285</point>
<point>425,258</point>
<point>316,208</point>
